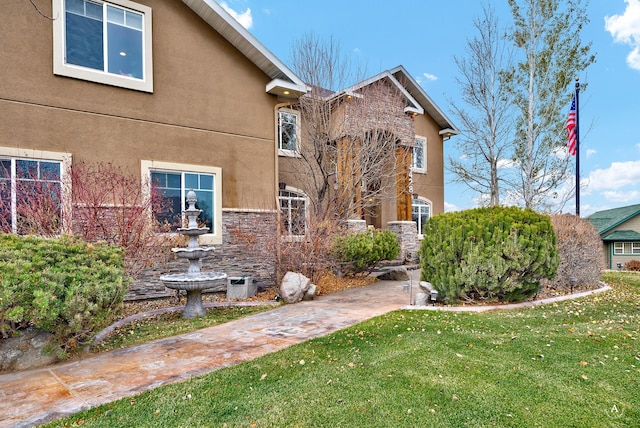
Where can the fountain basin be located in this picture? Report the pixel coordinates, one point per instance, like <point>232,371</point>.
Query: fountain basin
<point>192,253</point>
<point>193,284</point>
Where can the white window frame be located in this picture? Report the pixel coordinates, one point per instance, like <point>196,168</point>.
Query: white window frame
<point>422,142</point>
<point>214,237</point>
<point>288,152</point>
<point>61,68</point>
<point>47,156</point>
<point>425,202</point>
<point>301,197</point>
<point>626,248</point>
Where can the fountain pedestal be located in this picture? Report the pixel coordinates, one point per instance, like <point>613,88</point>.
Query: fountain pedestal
<point>193,281</point>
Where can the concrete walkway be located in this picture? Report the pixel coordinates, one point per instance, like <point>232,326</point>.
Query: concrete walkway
<point>33,397</point>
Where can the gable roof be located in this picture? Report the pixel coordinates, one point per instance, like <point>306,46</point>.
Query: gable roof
<point>419,101</point>
<point>606,220</point>
<point>284,80</point>
<point>622,235</point>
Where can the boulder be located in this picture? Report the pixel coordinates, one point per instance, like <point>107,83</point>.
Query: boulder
<point>294,287</point>
<point>311,292</point>
<point>395,274</point>
<point>26,351</point>
<point>422,299</point>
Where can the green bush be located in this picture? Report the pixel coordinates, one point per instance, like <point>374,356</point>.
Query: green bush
<point>361,252</point>
<point>64,286</point>
<point>488,253</point>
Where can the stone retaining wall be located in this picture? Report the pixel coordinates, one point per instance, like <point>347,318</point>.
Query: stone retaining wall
<point>248,248</point>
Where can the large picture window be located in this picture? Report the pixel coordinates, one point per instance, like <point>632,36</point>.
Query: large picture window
<point>171,182</point>
<point>107,42</point>
<point>288,132</point>
<point>30,196</point>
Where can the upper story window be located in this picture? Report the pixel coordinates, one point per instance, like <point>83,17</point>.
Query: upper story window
<point>420,213</point>
<point>288,132</point>
<point>419,155</point>
<point>294,214</point>
<point>626,248</point>
<point>105,42</point>
<point>173,181</point>
<point>30,196</point>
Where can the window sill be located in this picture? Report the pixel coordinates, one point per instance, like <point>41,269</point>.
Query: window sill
<point>288,153</point>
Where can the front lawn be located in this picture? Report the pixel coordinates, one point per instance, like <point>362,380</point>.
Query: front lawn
<point>572,364</point>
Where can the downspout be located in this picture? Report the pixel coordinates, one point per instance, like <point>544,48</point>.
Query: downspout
<point>276,109</point>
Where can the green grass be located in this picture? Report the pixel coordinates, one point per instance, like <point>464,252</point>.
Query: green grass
<point>572,364</point>
<point>171,324</point>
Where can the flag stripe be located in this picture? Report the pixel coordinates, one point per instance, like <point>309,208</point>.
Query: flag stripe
<point>571,128</point>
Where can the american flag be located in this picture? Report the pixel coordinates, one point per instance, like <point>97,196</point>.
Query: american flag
<point>571,127</point>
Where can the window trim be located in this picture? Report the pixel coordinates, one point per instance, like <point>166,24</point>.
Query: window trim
<point>427,202</point>
<point>619,248</point>
<point>65,180</point>
<point>423,141</point>
<point>288,152</point>
<point>215,236</point>
<point>302,195</point>
<point>61,68</point>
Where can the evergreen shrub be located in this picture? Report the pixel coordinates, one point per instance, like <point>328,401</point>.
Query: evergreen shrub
<point>361,252</point>
<point>65,286</point>
<point>488,253</point>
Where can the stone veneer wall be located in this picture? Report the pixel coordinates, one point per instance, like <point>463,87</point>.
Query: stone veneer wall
<point>248,248</point>
<point>407,238</point>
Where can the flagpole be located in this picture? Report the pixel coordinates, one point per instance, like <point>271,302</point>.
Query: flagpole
<point>577,148</point>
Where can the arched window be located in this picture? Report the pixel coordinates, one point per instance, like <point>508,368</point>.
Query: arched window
<point>420,213</point>
<point>293,206</point>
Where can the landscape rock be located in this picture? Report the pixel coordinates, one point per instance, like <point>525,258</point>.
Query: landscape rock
<point>422,299</point>
<point>294,287</point>
<point>311,292</point>
<point>395,274</point>
<point>25,351</point>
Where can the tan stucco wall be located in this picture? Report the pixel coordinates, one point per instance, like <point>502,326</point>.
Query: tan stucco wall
<point>209,105</point>
<point>430,185</point>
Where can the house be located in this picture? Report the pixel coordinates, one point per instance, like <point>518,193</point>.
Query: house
<point>619,229</point>
<point>181,95</point>
<point>387,116</point>
<point>175,91</point>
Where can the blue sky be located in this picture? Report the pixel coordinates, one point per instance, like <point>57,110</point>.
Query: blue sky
<point>423,36</point>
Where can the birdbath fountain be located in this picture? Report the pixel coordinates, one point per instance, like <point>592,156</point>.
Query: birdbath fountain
<point>193,281</point>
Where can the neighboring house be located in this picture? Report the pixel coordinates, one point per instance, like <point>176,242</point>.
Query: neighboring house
<point>619,229</point>
<point>174,91</point>
<point>418,128</point>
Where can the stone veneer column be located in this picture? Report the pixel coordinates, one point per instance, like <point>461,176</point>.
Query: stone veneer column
<point>356,226</point>
<point>407,232</point>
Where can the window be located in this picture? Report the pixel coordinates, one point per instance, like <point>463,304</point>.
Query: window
<point>294,215</point>
<point>626,248</point>
<point>106,42</point>
<point>288,132</point>
<point>173,181</point>
<point>419,155</point>
<point>30,196</point>
<point>420,213</point>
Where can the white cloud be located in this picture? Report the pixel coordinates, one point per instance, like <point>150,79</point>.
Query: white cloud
<point>625,28</point>
<point>507,163</point>
<point>432,77</point>
<point>450,207</point>
<point>244,18</point>
<point>591,152</point>
<point>621,196</point>
<point>618,175</point>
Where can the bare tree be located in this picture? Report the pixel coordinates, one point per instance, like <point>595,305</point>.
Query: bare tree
<point>347,156</point>
<point>547,36</point>
<point>487,122</point>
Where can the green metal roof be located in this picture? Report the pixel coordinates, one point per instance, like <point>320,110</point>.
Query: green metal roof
<point>622,235</point>
<point>606,220</point>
